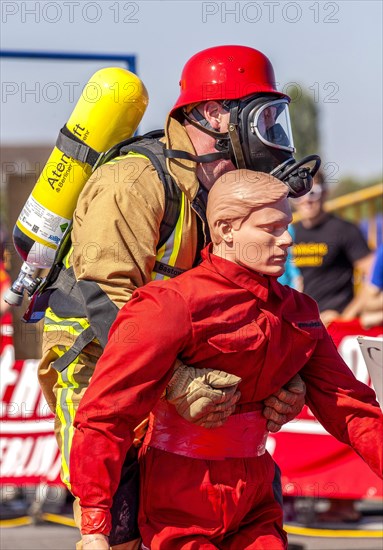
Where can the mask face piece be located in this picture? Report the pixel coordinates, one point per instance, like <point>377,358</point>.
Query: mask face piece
<point>267,143</point>
<point>271,123</point>
<point>265,132</point>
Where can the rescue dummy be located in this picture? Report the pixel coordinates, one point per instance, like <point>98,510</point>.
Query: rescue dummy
<point>213,488</point>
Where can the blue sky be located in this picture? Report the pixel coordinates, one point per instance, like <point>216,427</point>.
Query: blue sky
<point>331,48</point>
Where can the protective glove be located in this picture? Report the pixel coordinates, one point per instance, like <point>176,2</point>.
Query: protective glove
<point>205,397</point>
<point>285,404</point>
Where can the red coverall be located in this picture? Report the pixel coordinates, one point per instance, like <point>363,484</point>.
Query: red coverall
<point>223,316</point>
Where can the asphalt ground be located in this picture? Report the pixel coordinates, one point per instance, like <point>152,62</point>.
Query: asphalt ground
<point>50,535</point>
<point>24,525</point>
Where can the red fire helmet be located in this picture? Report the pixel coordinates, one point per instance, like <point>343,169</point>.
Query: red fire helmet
<point>225,72</point>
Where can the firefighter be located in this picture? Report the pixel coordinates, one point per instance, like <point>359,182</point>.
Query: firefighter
<point>229,114</point>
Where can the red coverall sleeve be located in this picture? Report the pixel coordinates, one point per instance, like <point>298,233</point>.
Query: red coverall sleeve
<point>346,407</point>
<point>131,375</point>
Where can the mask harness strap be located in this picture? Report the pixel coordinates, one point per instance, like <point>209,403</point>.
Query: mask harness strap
<point>211,157</point>
<point>228,143</point>
<point>234,138</point>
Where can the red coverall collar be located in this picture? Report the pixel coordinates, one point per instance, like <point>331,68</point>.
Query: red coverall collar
<point>257,284</point>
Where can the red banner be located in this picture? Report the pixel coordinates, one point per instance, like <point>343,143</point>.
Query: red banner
<point>28,448</point>
<point>313,463</point>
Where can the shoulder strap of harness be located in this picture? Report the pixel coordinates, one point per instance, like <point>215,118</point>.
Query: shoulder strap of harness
<point>150,147</point>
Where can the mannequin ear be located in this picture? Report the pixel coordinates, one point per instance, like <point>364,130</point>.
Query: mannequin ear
<point>225,231</point>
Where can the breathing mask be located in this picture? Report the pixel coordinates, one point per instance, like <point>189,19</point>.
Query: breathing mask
<point>259,137</point>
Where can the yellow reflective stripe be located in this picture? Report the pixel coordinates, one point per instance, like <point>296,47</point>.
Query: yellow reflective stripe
<point>61,417</point>
<point>134,154</point>
<point>163,256</point>
<point>160,254</point>
<point>113,161</point>
<point>70,324</point>
<point>66,411</point>
<point>75,329</point>
<point>61,385</point>
<point>178,233</point>
<point>69,429</point>
<point>66,259</point>
<point>173,245</point>
<point>121,157</point>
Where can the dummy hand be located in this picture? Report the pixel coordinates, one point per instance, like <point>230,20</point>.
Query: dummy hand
<point>205,397</point>
<point>285,404</point>
<point>94,542</point>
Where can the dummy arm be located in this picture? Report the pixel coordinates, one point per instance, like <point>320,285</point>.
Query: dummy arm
<point>285,404</point>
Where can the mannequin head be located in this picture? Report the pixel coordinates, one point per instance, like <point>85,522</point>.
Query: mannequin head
<point>248,215</point>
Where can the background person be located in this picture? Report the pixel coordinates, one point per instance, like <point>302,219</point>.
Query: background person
<point>372,311</point>
<point>327,251</point>
<point>368,306</point>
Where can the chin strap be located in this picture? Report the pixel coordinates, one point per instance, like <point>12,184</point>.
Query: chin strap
<point>199,122</point>
<point>210,157</point>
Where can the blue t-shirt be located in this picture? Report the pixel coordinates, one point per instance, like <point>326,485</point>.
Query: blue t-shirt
<point>377,272</point>
<point>291,273</point>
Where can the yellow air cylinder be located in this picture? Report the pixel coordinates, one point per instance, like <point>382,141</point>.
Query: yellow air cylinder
<point>108,111</point>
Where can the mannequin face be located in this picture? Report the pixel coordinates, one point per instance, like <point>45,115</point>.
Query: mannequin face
<point>260,243</point>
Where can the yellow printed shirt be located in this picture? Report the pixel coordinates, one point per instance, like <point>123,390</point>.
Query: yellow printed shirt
<point>325,255</point>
